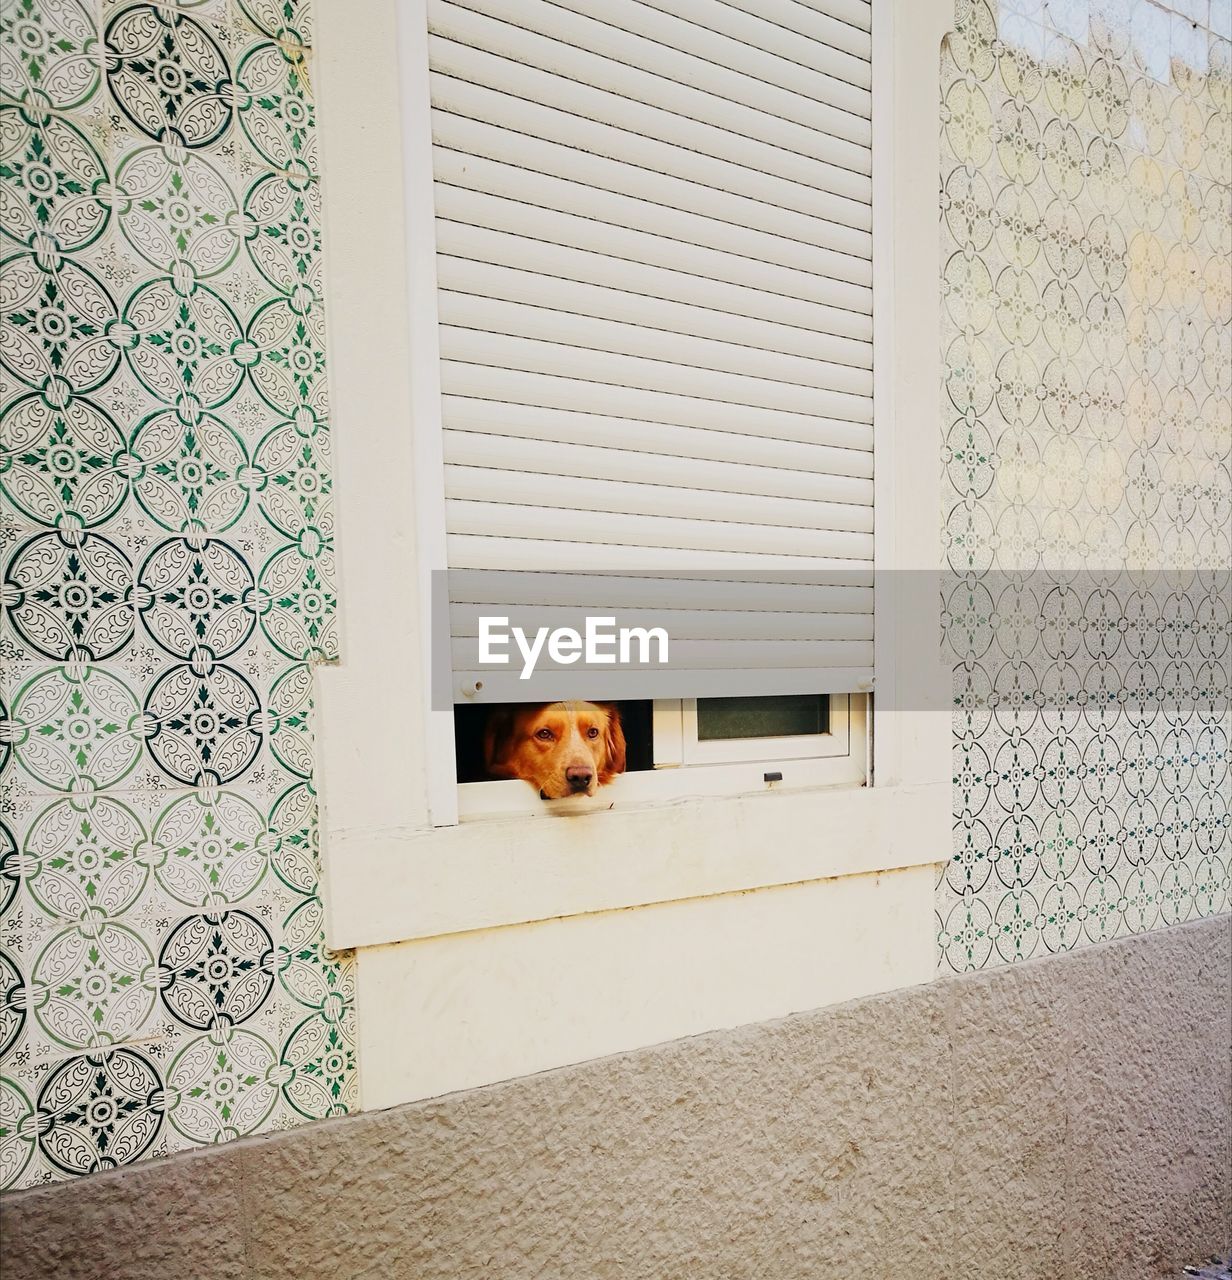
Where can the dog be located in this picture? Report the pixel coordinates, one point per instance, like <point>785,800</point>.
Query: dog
<point>560,748</point>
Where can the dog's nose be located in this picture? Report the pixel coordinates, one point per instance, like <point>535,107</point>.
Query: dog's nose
<point>578,776</point>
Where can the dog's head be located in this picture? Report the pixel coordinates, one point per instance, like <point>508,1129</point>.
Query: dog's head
<point>560,748</point>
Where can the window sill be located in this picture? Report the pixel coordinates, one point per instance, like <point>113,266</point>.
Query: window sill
<point>395,885</point>
<point>488,801</point>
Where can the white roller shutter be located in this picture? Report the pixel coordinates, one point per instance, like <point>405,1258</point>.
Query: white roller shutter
<point>654,257</point>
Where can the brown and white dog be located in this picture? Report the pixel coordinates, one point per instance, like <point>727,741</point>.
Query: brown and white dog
<point>560,748</point>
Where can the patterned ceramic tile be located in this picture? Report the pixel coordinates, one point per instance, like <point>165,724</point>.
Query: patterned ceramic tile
<point>49,53</point>
<point>168,579</point>
<point>1087,290</point>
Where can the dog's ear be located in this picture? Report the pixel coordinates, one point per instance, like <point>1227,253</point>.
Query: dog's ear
<point>498,742</point>
<point>614,744</point>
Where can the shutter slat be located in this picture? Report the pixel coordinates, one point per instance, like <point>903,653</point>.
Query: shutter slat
<point>846,593</point>
<point>640,466</point>
<point>564,328</point>
<point>713,655</point>
<point>606,682</point>
<point>681,624</point>
<point>725,53</point>
<point>856,13</point>
<point>565,495</point>
<point>816,103</point>
<point>654,271</point>
<point>839,221</point>
<point>547,555</point>
<point>574,228</point>
<point>599,55</point>
<point>517,426</point>
<point>831,47</point>
<point>463,276</point>
<point>618,529</point>
<point>470,259</point>
<point>848,30</point>
<point>520,387</point>
<point>530,355</point>
<point>498,70</point>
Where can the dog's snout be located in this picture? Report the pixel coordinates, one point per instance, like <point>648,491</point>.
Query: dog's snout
<point>579,776</point>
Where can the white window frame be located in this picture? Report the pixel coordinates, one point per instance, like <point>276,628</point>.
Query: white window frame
<point>677,744</point>
<point>398,864</point>
<point>736,767</point>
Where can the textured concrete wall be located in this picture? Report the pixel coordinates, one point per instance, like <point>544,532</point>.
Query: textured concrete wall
<point>1066,1117</point>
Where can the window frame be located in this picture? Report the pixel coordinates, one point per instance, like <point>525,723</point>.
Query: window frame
<point>675,728</point>
<point>397,861</point>
<point>739,773</point>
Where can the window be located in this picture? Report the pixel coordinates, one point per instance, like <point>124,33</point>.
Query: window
<point>781,741</point>
<point>759,720</point>
<point>400,864</point>
<point>654,291</point>
<point>693,747</point>
<point>699,731</point>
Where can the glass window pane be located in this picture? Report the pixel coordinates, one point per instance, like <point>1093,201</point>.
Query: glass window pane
<point>785,716</point>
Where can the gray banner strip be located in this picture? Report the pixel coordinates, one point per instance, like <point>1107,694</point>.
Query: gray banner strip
<point>523,636</point>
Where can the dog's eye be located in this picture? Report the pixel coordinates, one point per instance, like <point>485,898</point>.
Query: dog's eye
<point>592,732</point>
<point>544,735</point>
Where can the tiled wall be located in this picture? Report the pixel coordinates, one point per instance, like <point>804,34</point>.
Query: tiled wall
<point>1087,292</point>
<point>168,579</point>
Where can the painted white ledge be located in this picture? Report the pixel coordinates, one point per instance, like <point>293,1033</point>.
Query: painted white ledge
<point>474,1008</point>
<point>392,885</point>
